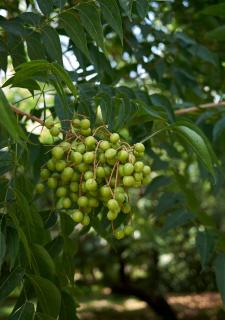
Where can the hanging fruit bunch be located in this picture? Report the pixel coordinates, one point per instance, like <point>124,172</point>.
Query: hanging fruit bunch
<point>92,168</point>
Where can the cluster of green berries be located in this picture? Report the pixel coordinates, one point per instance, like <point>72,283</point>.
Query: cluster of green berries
<point>87,172</point>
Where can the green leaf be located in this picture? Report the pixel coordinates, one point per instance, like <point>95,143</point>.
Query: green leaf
<point>111,13</point>
<point>195,138</point>
<point>35,47</point>
<point>45,6</point>
<point>142,8</point>
<point>127,6</point>
<point>12,281</point>
<point>91,21</point>
<point>219,266</point>
<point>51,41</point>
<point>177,219</point>
<point>215,10</point>
<point>68,307</point>
<point>217,34</point>
<point>43,261</point>
<point>205,244</point>
<point>26,312</point>
<point>2,246</point>
<point>71,24</point>
<point>218,128</point>
<point>12,246</point>
<point>42,316</point>
<point>48,295</point>
<point>8,119</point>
<point>16,50</point>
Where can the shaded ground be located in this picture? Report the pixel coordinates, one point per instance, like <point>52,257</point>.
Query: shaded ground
<point>206,306</point>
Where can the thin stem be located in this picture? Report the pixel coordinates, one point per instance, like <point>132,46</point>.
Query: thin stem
<point>155,133</point>
<point>27,115</point>
<point>199,108</point>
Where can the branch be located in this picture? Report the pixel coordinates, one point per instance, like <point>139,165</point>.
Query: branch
<point>199,108</point>
<point>27,115</point>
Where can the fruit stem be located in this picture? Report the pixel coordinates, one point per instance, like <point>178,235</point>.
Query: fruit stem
<point>155,133</point>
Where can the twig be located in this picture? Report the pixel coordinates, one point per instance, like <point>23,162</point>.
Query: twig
<point>27,115</point>
<point>199,108</point>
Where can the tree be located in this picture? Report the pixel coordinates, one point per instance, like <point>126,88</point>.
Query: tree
<point>143,69</point>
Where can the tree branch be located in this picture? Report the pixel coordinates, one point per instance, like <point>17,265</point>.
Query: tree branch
<point>199,108</point>
<point>27,115</point>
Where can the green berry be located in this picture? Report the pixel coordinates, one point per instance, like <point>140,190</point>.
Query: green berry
<point>67,174</point>
<point>67,203</point>
<point>74,186</point>
<point>146,170</point>
<point>107,170</point>
<point>52,183</point>
<point>114,138</point>
<point>85,132</point>
<point>76,123</point>
<point>57,153</point>
<point>89,157</point>
<point>128,230</point>
<point>119,234</point>
<point>123,156</point>
<point>138,166</point>
<point>110,153</point>
<point>104,145</point>
<point>100,172</point>
<point>49,123</point>
<point>65,145</point>
<point>74,196</point>
<point>81,148</point>
<point>86,220</point>
<point>105,192</point>
<point>121,171</point>
<point>85,124</point>
<point>61,192</point>
<point>138,176</point>
<point>91,185</point>
<point>77,216</point>
<point>120,197</point>
<point>60,165</point>
<point>55,131</point>
<point>128,169</point>
<point>113,205</point>
<point>76,157</point>
<point>51,164</point>
<point>146,180</point>
<point>88,175</point>
<point>126,208</point>
<point>102,158</point>
<point>128,181</point>
<point>93,202</point>
<point>82,167</point>
<point>139,147</point>
<point>82,201</point>
<point>40,188</point>
<point>75,176</point>
<point>90,142</point>
<point>44,174</point>
<point>112,215</point>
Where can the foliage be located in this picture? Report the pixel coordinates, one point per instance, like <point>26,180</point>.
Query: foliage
<point>131,65</point>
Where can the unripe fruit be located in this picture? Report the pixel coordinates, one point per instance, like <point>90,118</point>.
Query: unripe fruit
<point>121,172</point>
<point>110,153</point>
<point>104,145</point>
<point>113,205</point>
<point>44,174</point>
<point>119,234</point>
<point>88,175</point>
<point>57,153</point>
<point>111,161</point>
<point>86,220</point>
<point>146,170</point>
<point>128,181</point>
<point>40,188</point>
<point>76,123</point>
<point>139,166</point>
<point>74,186</point>
<point>82,167</point>
<point>131,158</point>
<point>128,169</point>
<point>102,158</point>
<point>55,131</point>
<point>60,165</point>
<point>112,215</point>
<point>49,123</point>
<point>52,183</point>
<point>112,182</point>
<point>82,201</point>
<point>100,172</point>
<point>120,197</point>
<point>91,185</point>
<point>59,204</point>
<point>139,147</point>
<point>114,138</point>
<point>76,157</point>
<point>81,148</point>
<point>83,187</point>
<point>67,203</point>
<point>128,230</point>
<point>126,208</point>
<point>146,180</point>
<point>90,142</point>
<point>51,164</point>
<point>65,145</point>
<point>74,196</point>
<point>85,132</point>
<point>77,216</point>
<point>93,202</point>
<point>107,170</point>
<point>105,192</point>
<point>61,192</point>
<point>87,210</point>
<point>89,157</point>
<point>138,176</point>
<point>85,124</point>
<point>123,156</point>
<point>67,174</point>
<point>119,189</point>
